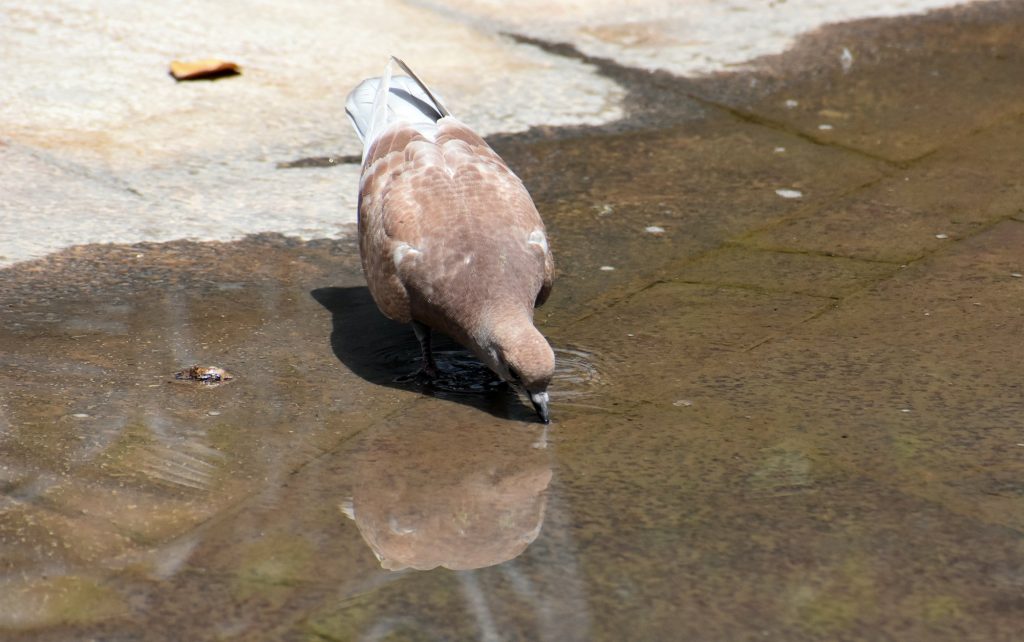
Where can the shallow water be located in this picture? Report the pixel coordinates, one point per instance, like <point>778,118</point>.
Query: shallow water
<point>775,419</point>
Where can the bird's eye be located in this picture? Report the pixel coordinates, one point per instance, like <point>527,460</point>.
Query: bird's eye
<point>514,374</point>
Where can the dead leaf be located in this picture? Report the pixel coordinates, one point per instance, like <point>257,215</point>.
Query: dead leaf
<point>204,69</point>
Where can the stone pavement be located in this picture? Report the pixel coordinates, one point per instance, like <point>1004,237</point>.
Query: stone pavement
<point>843,378</point>
<point>784,418</point>
<point>100,145</point>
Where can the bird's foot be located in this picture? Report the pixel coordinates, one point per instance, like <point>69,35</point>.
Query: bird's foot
<point>427,374</point>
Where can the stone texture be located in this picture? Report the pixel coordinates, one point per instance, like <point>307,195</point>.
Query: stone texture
<point>810,274</point>
<point>956,192</point>
<point>903,95</point>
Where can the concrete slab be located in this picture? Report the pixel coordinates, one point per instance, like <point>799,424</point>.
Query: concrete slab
<point>199,160</point>
<point>916,211</point>
<point>893,96</point>
<point>902,381</point>
<point>691,38</point>
<point>886,402</point>
<point>706,182</point>
<point>815,275</point>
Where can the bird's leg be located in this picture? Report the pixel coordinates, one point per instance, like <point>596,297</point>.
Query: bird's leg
<point>429,369</point>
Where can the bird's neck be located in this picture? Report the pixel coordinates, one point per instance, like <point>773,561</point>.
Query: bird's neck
<point>500,328</point>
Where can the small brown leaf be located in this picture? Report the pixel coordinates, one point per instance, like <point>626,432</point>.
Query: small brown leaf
<point>204,69</point>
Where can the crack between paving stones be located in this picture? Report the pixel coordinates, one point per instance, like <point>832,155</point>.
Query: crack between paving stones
<point>774,125</point>
<point>757,289</point>
<point>634,77</point>
<point>730,243</point>
<point>71,167</point>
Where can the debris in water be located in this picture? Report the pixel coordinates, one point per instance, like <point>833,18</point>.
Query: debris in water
<point>779,150</point>
<point>833,114</point>
<point>654,229</point>
<point>942,236</point>
<point>607,268</point>
<point>825,127</point>
<point>682,403</point>
<point>1016,275</point>
<point>904,409</point>
<point>791,103</point>
<point>80,415</point>
<point>846,60</point>
<point>204,374</point>
<point>319,161</point>
<point>208,69</point>
<point>789,193</point>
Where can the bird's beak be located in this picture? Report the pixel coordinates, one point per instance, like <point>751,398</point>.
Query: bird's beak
<point>540,404</point>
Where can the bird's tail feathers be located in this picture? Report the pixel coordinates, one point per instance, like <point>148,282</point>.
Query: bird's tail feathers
<point>376,103</point>
<point>438,106</point>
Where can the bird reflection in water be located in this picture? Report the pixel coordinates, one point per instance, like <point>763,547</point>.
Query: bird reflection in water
<point>457,496</point>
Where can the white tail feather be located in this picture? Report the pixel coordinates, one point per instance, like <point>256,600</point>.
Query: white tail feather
<point>377,103</point>
<point>441,109</point>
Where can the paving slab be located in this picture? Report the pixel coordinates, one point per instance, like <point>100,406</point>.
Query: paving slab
<point>811,274</point>
<point>902,397</point>
<point>932,354</point>
<point>886,87</point>
<point>107,135</point>
<point>705,182</point>
<point>916,211</point>
<point>689,39</point>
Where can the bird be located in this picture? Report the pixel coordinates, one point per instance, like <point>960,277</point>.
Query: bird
<point>449,237</point>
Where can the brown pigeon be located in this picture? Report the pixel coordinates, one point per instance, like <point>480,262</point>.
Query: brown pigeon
<point>449,237</point>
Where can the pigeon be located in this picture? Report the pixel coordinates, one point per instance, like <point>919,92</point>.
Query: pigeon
<point>449,237</point>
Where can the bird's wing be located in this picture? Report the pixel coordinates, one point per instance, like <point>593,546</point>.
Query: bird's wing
<point>447,222</point>
<point>549,279</point>
<point>389,221</point>
<point>388,114</point>
<point>441,215</point>
<point>507,189</point>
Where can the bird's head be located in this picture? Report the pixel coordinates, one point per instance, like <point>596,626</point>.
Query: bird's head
<point>523,357</point>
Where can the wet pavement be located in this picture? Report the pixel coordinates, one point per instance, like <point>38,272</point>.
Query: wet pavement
<point>788,404</point>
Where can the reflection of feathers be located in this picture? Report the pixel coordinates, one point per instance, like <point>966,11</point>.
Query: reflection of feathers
<point>347,508</point>
<point>188,463</point>
<point>459,498</point>
<point>408,100</point>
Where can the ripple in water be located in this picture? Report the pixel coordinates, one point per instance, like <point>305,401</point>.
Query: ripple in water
<point>459,373</point>
<point>577,374</point>
<point>577,377</point>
